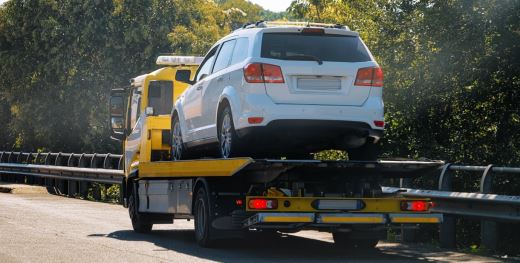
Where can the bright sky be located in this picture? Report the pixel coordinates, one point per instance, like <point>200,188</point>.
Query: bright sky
<point>273,5</point>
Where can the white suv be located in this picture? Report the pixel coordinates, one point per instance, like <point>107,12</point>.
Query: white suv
<point>275,91</point>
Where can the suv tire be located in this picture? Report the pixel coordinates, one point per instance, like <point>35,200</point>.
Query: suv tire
<point>177,147</point>
<point>228,141</point>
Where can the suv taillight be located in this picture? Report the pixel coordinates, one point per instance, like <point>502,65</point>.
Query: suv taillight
<point>372,77</point>
<point>263,73</point>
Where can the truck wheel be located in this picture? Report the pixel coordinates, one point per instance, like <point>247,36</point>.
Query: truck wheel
<point>202,219</point>
<point>177,147</point>
<point>139,221</point>
<point>344,240</point>
<point>229,145</point>
<point>368,152</point>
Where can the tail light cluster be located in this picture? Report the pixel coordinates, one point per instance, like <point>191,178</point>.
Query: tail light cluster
<point>416,206</point>
<point>371,77</point>
<point>263,73</point>
<point>262,204</point>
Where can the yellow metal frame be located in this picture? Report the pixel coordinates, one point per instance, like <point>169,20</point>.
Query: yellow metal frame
<point>304,204</point>
<point>193,168</point>
<point>415,220</point>
<point>350,220</point>
<point>287,219</point>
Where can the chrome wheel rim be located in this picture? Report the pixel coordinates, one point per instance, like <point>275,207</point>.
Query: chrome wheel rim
<point>177,141</point>
<point>225,136</point>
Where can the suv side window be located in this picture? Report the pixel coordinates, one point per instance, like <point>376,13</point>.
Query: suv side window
<point>241,49</point>
<point>205,68</point>
<point>224,56</point>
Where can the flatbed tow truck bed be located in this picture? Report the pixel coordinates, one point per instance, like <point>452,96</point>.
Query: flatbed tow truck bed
<point>230,196</point>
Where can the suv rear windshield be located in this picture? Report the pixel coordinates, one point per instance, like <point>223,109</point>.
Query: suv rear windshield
<point>295,46</point>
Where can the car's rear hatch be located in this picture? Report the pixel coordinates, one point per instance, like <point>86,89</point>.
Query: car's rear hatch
<point>318,68</point>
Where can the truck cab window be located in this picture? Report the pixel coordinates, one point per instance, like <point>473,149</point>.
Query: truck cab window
<point>135,107</point>
<point>160,96</point>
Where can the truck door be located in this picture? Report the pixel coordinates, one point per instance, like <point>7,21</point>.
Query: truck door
<point>134,124</point>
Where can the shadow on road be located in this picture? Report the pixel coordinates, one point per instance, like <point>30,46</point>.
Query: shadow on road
<point>285,248</point>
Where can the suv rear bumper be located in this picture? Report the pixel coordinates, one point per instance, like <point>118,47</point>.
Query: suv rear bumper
<point>310,134</point>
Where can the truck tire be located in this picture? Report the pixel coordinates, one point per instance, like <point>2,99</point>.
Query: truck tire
<point>140,224</point>
<point>343,240</point>
<point>203,219</point>
<point>368,152</point>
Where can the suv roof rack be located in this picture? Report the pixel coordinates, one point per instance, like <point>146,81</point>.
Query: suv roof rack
<point>178,60</point>
<point>264,24</point>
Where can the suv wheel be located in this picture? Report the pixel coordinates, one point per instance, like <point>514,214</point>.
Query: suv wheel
<point>227,136</point>
<point>177,148</point>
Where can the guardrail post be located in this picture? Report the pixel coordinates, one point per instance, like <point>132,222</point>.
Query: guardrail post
<point>488,229</point>
<point>407,234</point>
<point>83,189</point>
<point>447,231</point>
<point>96,192</point>
<point>50,184</point>
<point>72,189</point>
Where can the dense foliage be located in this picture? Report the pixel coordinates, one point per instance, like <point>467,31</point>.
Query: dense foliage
<point>59,60</point>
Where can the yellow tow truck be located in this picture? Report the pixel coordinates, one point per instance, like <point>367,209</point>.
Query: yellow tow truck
<point>229,197</point>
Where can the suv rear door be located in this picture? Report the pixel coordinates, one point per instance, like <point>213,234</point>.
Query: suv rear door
<point>319,67</point>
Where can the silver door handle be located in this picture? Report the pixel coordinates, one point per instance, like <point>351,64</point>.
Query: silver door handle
<point>199,87</point>
<point>220,79</point>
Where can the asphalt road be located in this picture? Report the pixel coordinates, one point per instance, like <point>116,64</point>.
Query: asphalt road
<point>38,227</point>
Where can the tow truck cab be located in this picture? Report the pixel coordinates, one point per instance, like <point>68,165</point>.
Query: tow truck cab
<point>140,113</point>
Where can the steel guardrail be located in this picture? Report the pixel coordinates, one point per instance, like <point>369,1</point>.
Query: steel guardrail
<point>88,167</point>
<point>484,205</point>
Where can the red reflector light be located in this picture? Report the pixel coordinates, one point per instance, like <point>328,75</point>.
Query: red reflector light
<point>379,123</point>
<point>262,203</point>
<point>255,120</point>
<point>417,206</point>
<point>263,73</point>
<point>239,202</point>
<point>370,77</point>
<point>316,31</point>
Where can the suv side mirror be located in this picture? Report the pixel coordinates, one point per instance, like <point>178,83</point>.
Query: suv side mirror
<point>117,114</point>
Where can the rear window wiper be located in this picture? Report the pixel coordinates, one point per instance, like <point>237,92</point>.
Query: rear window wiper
<point>308,57</point>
